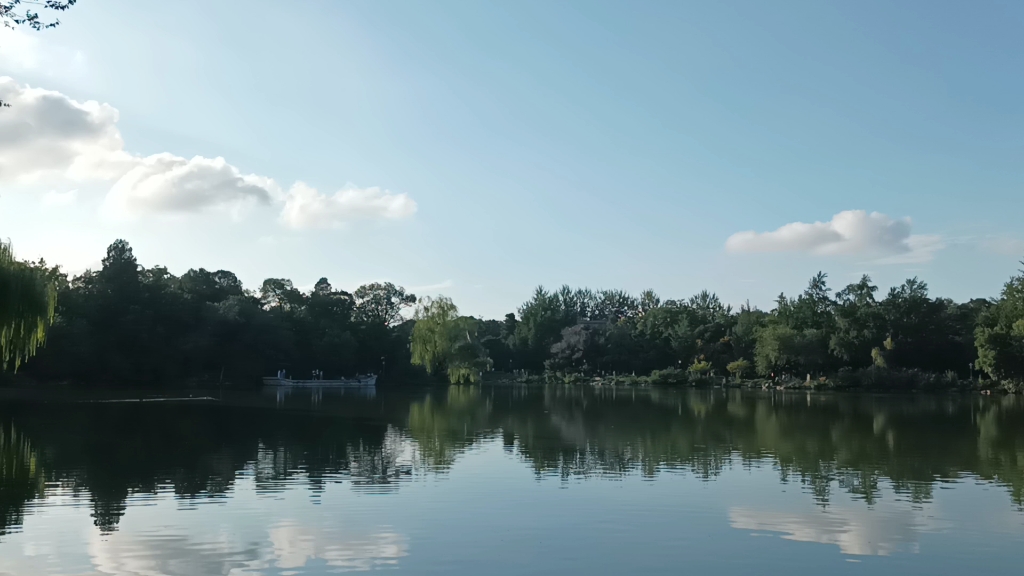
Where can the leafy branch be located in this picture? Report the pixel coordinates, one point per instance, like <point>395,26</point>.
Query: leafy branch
<point>15,13</point>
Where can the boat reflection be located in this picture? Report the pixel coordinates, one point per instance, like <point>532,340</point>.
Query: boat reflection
<point>313,396</point>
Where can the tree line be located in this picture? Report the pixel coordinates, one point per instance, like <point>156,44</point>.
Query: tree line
<point>851,336</point>
<point>127,324</point>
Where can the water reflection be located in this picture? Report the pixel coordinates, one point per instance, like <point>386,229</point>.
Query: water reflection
<point>825,442</point>
<point>295,546</point>
<point>445,426</point>
<point>286,547</point>
<point>21,479</point>
<point>866,468</point>
<point>856,530</point>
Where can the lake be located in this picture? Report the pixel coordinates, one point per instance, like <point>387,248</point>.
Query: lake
<point>512,480</point>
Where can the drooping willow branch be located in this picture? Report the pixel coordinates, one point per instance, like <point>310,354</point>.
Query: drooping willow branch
<point>27,304</point>
<point>441,339</point>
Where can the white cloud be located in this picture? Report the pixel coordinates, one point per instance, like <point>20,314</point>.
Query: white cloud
<point>851,232</point>
<point>165,183</point>
<point>60,199</point>
<point>305,207</point>
<point>46,134</point>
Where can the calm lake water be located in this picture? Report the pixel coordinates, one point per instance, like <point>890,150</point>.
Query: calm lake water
<point>505,480</point>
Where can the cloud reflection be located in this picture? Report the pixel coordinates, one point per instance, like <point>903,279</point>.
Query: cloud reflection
<point>158,554</point>
<point>287,548</point>
<point>856,531</point>
<point>296,546</point>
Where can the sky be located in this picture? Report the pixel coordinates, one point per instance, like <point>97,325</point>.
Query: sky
<point>480,149</point>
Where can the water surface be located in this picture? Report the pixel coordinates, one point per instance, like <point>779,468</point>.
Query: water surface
<point>505,480</point>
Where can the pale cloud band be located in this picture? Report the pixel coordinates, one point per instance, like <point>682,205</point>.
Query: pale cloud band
<point>852,233</point>
<point>54,198</point>
<point>305,207</point>
<point>46,133</point>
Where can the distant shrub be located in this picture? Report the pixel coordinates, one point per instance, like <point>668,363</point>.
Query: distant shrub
<point>738,367</point>
<point>700,367</point>
<point>669,377</point>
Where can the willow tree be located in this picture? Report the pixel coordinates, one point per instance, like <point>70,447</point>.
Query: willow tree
<point>444,341</point>
<point>27,302</point>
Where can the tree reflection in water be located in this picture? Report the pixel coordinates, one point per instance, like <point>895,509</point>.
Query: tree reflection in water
<point>823,441</point>
<point>21,479</point>
<point>853,443</point>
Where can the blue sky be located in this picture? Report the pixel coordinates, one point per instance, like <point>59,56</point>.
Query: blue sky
<point>488,147</point>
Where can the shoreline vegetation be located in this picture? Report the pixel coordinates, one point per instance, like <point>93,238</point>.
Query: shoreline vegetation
<point>867,380</point>
<point>147,328</point>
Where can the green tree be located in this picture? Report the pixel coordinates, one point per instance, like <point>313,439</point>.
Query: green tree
<point>382,303</point>
<point>700,368</point>
<point>213,287</point>
<point>580,349</point>
<point>1000,334</point>
<point>785,349</point>
<point>859,323</point>
<point>27,304</point>
<point>738,368</point>
<point>443,341</point>
<point>880,356</point>
<point>541,320</point>
<point>281,294</point>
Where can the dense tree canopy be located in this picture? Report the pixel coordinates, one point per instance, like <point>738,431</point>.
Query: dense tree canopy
<point>382,303</point>
<point>1000,334</point>
<point>818,332</point>
<point>125,323</point>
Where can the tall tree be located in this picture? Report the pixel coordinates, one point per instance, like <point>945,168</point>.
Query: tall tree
<point>580,349</point>
<point>280,293</point>
<point>382,303</point>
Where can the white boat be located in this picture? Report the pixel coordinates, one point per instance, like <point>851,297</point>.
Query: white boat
<point>368,381</point>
